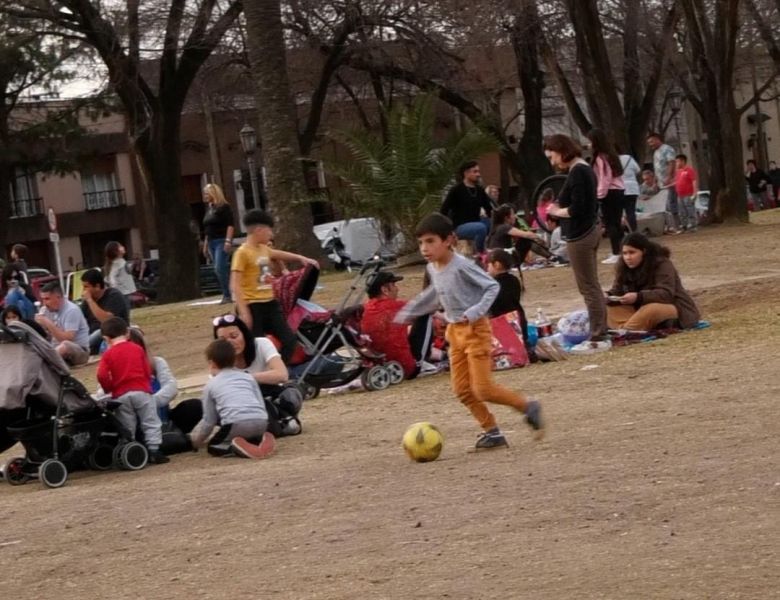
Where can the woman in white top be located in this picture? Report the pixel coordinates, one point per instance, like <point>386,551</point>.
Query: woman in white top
<point>115,270</point>
<point>631,172</point>
<point>261,359</point>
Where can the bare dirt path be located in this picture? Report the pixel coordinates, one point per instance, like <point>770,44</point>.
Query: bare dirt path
<point>658,478</point>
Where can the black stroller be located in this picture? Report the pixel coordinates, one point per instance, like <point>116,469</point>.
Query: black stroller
<point>59,424</point>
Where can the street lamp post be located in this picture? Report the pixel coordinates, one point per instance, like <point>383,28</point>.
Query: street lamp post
<point>248,138</point>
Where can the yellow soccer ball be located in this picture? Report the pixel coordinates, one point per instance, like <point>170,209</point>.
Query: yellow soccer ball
<point>423,442</point>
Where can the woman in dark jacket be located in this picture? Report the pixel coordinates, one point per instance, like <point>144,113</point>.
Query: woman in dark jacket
<point>647,290</point>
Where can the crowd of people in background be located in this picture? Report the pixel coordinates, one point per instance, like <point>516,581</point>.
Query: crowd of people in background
<point>253,346</point>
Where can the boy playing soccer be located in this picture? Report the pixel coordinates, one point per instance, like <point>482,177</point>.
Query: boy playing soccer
<point>466,293</point>
<point>124,372</point>
<point>251,278</point>
<point>232,399</point>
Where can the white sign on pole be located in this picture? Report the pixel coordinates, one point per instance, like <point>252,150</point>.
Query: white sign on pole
<point>51,217</point>
<point>54,237</point>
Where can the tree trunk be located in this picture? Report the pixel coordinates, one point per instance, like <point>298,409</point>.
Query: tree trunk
<point>712,43</point>
<point>598,83</point>
<point>160,154</point>
<point>5,203</point>
<point>526,41</point>
<point>277,122</point>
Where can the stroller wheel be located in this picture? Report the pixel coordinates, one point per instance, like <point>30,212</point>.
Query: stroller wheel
<point>396,372</point>
<point>310,392</point>
<point>53,473</point>
<point>14,472</point>
<point>133,456</point>
<point>101,458</point>
<point>376,378</point>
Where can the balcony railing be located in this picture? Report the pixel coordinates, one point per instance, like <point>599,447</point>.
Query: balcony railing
<point>28,207</point>
<point>104,199</point>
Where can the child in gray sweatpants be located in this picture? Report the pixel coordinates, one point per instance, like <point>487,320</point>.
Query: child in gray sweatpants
<point>125,373</point>
<point>232,400</point>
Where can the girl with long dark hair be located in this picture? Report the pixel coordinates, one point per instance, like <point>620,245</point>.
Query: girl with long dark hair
<point>647,289</point>
<point>577,208</point>
<point>610,188</point>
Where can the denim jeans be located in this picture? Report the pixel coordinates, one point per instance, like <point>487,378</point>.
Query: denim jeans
<point>17,297</point>
<point>688,218</point>
<point>221,264</point>
<point>476,231</point>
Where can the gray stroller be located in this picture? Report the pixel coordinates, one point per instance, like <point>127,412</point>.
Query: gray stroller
<point>59,424</point>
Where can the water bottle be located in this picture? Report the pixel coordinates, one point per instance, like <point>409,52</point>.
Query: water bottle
<point>543,324</point>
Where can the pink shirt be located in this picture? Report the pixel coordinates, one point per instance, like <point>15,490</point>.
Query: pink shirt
<point>606,181</point>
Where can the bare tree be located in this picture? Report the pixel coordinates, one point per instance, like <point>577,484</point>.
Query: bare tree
<point>710,43</point>
<point>33,63</point>
<point>620,101</point>
<point>764,15</point>
<point>175,37</point>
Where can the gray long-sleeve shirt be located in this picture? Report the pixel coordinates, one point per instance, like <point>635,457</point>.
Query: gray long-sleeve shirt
<point>461,288</point>
<point>232,396</point>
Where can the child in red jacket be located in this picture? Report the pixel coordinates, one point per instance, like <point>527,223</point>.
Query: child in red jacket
<point>124,372</point>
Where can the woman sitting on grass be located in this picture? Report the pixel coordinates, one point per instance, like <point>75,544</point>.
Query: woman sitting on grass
<point>261,359</point>
<point>647,290</point>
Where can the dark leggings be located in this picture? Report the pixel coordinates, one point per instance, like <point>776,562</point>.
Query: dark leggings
<point>267,318</point>
<point>612,213</point>
<point>629,204</point>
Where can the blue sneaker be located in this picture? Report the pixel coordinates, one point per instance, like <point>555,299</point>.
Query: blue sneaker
<point>533,416</point>
<point>491,439</point>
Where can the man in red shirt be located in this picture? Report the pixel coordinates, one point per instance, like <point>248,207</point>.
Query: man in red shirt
<point>393,340</point>
<point>125,373</point>
<point>686,184</point>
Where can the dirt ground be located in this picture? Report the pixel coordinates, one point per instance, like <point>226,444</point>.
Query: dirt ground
<point>658,477</point>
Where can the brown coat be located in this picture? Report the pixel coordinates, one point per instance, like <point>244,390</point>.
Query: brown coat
<point>665,288</point>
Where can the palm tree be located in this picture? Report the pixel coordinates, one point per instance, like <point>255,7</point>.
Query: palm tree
<point>402,179</point>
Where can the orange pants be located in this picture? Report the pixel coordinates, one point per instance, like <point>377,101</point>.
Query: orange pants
<point>471,368</point>
<point>645,318</point>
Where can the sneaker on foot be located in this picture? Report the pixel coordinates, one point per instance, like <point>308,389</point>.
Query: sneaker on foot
<point>610,260</point>
<point>158,458</point>
<point>491,439</point>
<point>247,449</point>
<point>533,416</point>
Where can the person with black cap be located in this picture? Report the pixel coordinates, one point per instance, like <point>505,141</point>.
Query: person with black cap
<point>409,348</point>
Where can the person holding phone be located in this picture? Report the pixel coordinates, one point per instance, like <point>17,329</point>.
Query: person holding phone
<point>647,290</point>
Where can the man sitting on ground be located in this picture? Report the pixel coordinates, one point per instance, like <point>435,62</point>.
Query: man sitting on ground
<point>65,323</point>
<point>464,203</point>
<point>99,304</point>
<point>392,339</point>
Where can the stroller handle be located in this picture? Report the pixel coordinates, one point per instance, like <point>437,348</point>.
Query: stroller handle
<point>374,264</point>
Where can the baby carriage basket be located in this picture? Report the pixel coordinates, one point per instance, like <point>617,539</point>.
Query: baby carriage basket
<point>335,352</point>
<point>53,416</point>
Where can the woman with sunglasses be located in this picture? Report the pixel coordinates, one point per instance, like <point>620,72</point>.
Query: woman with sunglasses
<point>261,359</point>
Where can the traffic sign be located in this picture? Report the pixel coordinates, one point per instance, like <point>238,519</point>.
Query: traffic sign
<point>54,237</point>
<point>51,216</point>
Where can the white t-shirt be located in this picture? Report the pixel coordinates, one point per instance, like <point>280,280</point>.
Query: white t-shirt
<point>631,171</point>
<point>265,351</point>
